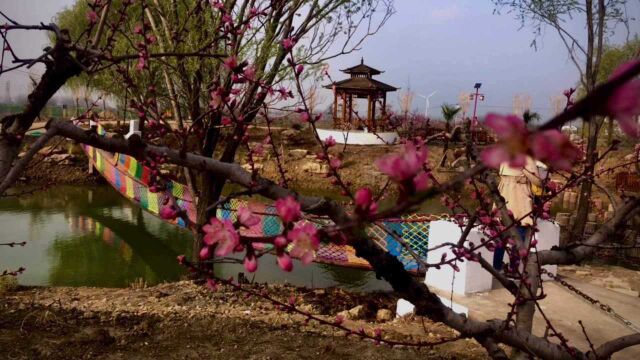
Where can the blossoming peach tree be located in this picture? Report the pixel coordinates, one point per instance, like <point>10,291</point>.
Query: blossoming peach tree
<point>251,59</point>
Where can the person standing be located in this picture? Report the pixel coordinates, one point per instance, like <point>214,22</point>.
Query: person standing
<point>516,188</point>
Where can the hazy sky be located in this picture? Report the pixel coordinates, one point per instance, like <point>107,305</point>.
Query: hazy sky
<point>433,45</point>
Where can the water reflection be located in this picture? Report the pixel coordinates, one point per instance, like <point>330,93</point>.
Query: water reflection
<point>79,236</point>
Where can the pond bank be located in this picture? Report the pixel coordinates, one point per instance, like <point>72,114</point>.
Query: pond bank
<point>186,321</point>
<point>68,170</point>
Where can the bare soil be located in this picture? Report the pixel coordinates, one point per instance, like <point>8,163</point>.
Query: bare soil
<point>186,321</point>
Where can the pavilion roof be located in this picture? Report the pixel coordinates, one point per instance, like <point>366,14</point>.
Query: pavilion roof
<point>361,83</point>
<point>362,69</point>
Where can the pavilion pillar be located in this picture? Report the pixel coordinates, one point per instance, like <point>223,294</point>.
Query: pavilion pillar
<point>344,107</point>
<point>384,105</point>
<point>368,111</point>
<point>350,116</point>
<point>335,109</point>
<point>373,113</point>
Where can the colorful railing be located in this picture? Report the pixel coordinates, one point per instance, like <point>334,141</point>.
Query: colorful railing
<point>131,179</point>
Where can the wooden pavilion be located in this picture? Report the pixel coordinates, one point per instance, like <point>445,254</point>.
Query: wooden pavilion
<point>360,85</point>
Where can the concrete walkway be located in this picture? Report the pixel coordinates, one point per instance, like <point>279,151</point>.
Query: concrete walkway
<point>565,309</point>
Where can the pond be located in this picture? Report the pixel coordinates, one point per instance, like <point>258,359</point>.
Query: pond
<point>91,236</point>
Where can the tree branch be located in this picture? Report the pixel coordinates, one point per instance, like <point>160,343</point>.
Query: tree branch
<point>572,255</point>
<point>607,349</point>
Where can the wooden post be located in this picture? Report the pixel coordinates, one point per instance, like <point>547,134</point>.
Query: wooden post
<point>335,110</point>
<point>384,105</point>
<point>350,108</point>
<point>369,111</point>
<point>344,106</point>
<point>373,112</point>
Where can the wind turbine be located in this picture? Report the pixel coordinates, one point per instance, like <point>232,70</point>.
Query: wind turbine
<point>426,98</point>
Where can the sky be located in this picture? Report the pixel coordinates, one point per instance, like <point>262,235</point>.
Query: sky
<point>428,45</point>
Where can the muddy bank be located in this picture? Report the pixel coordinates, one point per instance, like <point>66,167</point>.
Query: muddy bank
<point>61,163</point>
<point>49,173</point>
<point>186,321</point>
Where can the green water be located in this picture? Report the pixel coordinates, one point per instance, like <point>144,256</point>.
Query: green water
<point>81,236</point>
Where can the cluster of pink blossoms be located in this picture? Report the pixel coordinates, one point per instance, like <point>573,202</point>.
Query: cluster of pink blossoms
<point>551,146</point>
<point>624,104</point>
<point>516,141</point>
<point>303,235</point>
<point>223,236</point>
<point>407,168</point>
<point>365,204</point>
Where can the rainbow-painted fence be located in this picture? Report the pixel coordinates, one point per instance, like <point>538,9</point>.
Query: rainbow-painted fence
<point>131,179</point>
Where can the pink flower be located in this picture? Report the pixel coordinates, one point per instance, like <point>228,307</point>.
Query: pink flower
<point>624,104</point>
<point>227,19</point>
<point>222,233</point>
<point>217,4</point>
<point>304,116</point>
<point>284,93</point>
<point>364,202</point>
<point>205,253</point>
<point>506,127</point>
<point>400,167</point>
<point>299,69</point>
<point>137,29</point>
<point>181,259</point>
<point>250,72</point>
<point>250,263</point>
<point>288,209</point>
<point>363,198</point>
<point>305,242</point>
<point>284,262</point>
<point>288,43</point>
<point>247,218</point>
<point>335,163</point>
<point>555,149</point>
<point>280,242</point>
<point>168,212</point>
<point>495,155</point>
<point>513,135</point>
<point>330,141</point>
<point>92,17</point>
<point>142,63</point>
<point>421,181</point>
<point>226,121</point>
<point>231,63</point>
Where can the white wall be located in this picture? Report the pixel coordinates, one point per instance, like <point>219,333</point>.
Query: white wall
<point>358,137</point>
<point>472,277</point>
<point>548,236</point>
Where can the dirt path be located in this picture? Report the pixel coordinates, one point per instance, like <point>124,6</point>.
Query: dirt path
<point>615,286</point>
<point>185,321</point>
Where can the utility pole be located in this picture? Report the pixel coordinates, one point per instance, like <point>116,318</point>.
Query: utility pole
<point>475,97</point>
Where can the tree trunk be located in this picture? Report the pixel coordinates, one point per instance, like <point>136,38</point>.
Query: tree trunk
<point>527,308</point>
<point>16,125</point>
<point>445,148</point>
<point>584,199</point>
